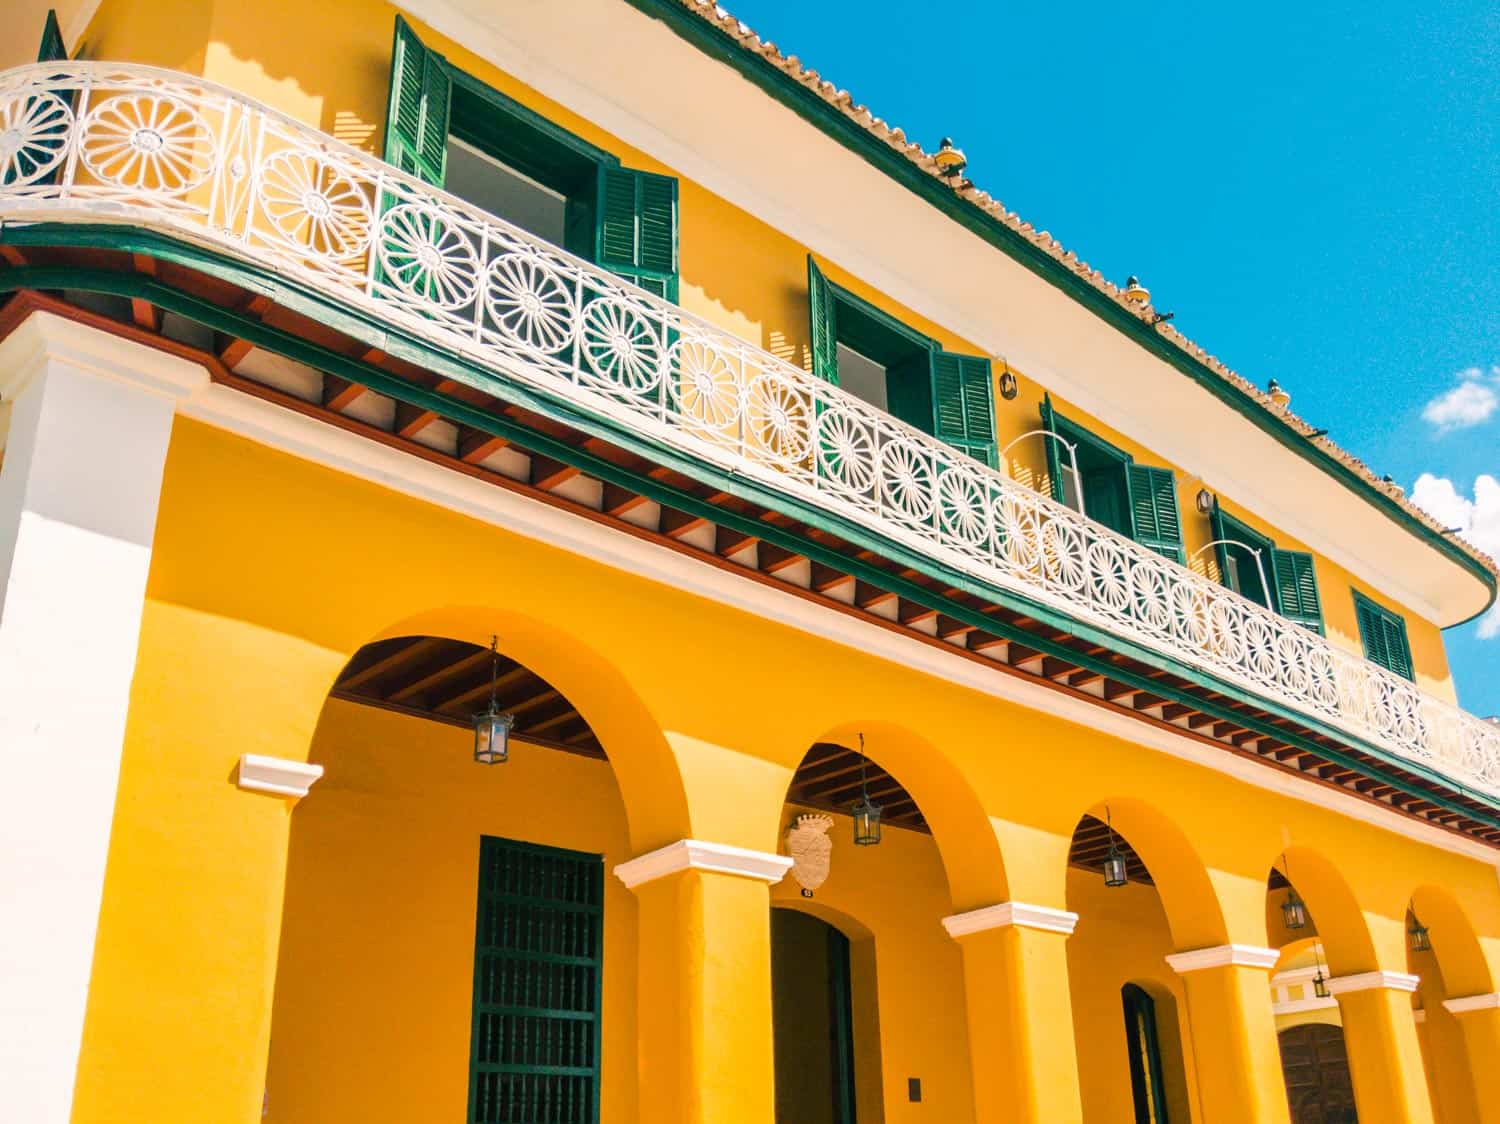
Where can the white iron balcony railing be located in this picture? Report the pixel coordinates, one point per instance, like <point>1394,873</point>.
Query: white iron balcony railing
<point>140,147</point>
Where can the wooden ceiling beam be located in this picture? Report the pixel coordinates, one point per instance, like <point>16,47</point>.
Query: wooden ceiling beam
<point>386,664</point>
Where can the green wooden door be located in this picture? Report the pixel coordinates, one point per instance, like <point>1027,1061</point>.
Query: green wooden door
<point>534,1053</point>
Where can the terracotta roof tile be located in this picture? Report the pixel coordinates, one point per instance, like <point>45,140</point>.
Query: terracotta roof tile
<point>843,101</point>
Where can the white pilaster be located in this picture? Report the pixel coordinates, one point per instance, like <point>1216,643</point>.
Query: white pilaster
<point>1019,914</point>
<point>90,419</point>
<point>1223,956</point>
<point>696,854</point>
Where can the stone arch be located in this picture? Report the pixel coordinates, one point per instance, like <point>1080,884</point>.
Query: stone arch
<point>1455,943</point>
<point>1194,912</point>
<point>966,840</point>
<point>644,764</point>
<point>1335,913</point>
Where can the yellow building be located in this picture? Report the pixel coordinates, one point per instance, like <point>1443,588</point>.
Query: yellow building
<point>558,569</point>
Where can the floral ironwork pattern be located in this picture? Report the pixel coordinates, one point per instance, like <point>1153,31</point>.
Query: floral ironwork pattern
<point>105,143</point>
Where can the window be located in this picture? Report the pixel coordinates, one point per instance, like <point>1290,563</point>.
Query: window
<point>1146,1086</point>
<point>455,132</point>
<point>878,359</point>
<point>1383,634</point>
<point>1136,500</point>
<point>534,1053</point>
<point>1284,581</point>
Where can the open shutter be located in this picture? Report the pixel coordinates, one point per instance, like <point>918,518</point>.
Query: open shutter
<point>1153,510</point>
<point>962,411</point>
<point>636,228</point>
<point>1383,635</point>
<point>1220,535</point>
<point>1053,451</point>
<point>823,320</point>
<point>416,118</point>
<point>1297,588</point>
<point>53,48</point>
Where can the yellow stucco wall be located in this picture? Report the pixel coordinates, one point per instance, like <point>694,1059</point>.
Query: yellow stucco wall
<point>270,572</point>
<point>736,271</point>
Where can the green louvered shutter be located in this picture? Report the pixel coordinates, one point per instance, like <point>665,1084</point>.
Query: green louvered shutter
<point>416,119</point>
<point>53,48</point>
<point>1153,510</point>
<point>534,1054</point>
<point>1053,451</point>
<point>962,409</point>
<point>636,228</point>
<point>1383,635</point>
<point>823,319</point>
<point>1297,588</point>
<point>1220,534</point>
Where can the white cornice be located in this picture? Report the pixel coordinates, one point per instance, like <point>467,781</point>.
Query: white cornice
<point>1465,1004</point>
<point>1020,914</point>
<point>1370,981</point>
<point>695,854</point>
<point>342,451</point>
<point>45,337</point>
<point>1223,956</point>
<point>277,775</point>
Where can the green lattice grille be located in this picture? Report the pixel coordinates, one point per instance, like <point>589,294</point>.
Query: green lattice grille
<point>539,934</point>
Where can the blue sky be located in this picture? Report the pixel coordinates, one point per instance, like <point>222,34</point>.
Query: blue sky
<point>1315,194</point>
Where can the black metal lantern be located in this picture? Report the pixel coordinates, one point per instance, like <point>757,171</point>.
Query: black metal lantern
<point>866,813</point>
<point>1420,940</point>
<point>491,727</point>
<point>1009,388</point>
<point>1320,981</point>
<point>1114,862</point>
<point>1293,910</point>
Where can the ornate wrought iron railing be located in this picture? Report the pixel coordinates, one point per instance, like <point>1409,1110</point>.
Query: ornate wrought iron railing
<point>104,143</point>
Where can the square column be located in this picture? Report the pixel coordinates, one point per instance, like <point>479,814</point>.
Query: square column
<point>1479,1016</point>
<point>1385,1057</point>
<point>1020,1013</point>
<point>706,1053</point>
<point>1234,1033</point>
<point>90,418</point>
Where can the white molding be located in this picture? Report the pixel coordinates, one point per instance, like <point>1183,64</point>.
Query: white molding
<point>276,775</point>
<point>696,854</point>
<point>338,449</point>
<point>1301,1006</point>
<point>45,337</point>
<point>1464,1004</point>
<point>1223,956</point>
<point>1371,981</point>
<point>1019,914</point>
<point>1293,976</point>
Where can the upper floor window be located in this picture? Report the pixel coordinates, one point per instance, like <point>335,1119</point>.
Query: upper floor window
<point>1136,500</point>
<point>455,132</point>
<point>897,369</point>
<point>1383,634</point>
<point>1252,565</point>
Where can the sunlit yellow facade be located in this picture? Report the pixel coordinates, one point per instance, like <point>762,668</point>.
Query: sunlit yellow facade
<point>197,565</point>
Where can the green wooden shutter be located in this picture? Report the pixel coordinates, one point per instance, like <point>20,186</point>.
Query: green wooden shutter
<point>822,317</point>
<point>1383,635</point>
<point>962,408</point>
<point>53,48</point>
<point>1297,588</point>
<point>534,1054</point>
<point>416,119</point>
<point>1053,449</point>
<point>636,228</point>
<point>1155,520</point>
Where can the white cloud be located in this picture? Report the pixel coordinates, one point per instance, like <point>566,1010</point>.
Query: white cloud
<point>1477,520</point>
<point>1472,402</point>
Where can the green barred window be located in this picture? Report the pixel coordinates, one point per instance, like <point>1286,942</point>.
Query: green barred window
<point>1383,634</point>
<point>537,950</point>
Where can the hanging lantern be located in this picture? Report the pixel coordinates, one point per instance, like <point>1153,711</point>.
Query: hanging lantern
<point>1293,910</point>
<point>1320,984</point>
<point>1114,862</point>
<point>491,727</point>
<point>866,813</point>
<point>1420,940</point>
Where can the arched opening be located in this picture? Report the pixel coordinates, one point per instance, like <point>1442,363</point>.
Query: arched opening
<point>1444,953</point>
<point>884,901</point>
<point>1128,1005</point>
<point>452,945</point>
<point>813,1015</point>
<point>1316,1065</point>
